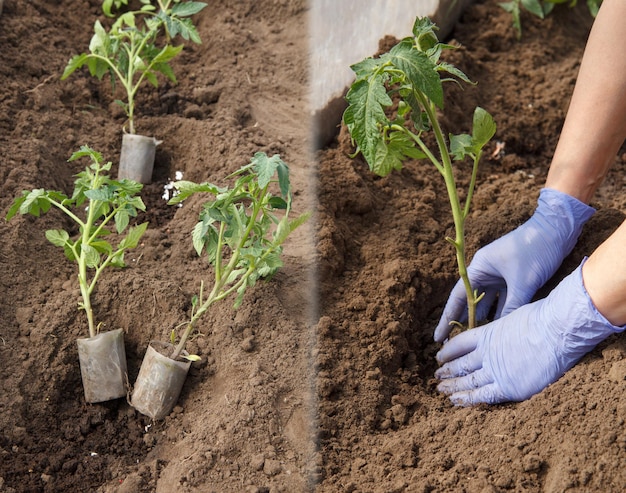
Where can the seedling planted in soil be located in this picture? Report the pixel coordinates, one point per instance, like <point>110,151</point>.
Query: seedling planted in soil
<point>386,137</point>
<point>540,8</point>
<point>107,203</point>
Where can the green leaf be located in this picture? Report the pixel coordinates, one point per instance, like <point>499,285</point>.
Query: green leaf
<point>534,7</point>
<point>91,256</point>
<point>424,32</point>
<point>187,9</point>
<point>265,167</point>
<point>365,68</point>
<point>419,70</point>
<point>167,53</point>
<point>122,218</point>
<point>166,70</point>
<point>460,146</point>
<point>35,202</point>
<point>100,41</point>
<point>133,236</point>
<point>74,64</point>
<point>286,227</point>
<point>198,236</point>
<point>277,203</point>
<point>483,128</point>
<point>106,7</point>
<point>57,237</point>
<point>186,189</point>
<point>102,247</point>
<point>451,69</point>
<point>118,260</point>
<point>367,99</point>
<point>101,194</point>
<point>86,151</point>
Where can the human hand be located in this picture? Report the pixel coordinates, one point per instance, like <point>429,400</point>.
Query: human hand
<point>512,268</point>
<point>520,354</point>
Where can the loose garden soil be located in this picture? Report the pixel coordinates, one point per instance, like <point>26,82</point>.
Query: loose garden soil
<point>323,379</point>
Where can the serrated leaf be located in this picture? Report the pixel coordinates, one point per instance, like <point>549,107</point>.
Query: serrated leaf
<point>166,70</point>
<point>452,70</point>
<point>35,202</point>
<point>187,9</point>
<point>419,70</point>
<point>366,67</point>
<point>187,188</point>
<point>265,167</point>
<point>234,275</point>
<point>367,99</point>
<point>394,152</point>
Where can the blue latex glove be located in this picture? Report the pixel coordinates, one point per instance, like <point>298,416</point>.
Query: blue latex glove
<point>514,267</point>
<point>518,355</point>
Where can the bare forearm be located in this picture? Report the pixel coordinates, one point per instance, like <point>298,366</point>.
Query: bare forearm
<point>604,276</point>
<point>595,125</point>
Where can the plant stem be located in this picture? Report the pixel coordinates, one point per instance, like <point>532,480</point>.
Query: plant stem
<point>222,274</point>
<point>85,289</point>
<point>458,214</point>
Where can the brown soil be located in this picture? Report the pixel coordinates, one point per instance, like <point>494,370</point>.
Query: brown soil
<point>323,379</point>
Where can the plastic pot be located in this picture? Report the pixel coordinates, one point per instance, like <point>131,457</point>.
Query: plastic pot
<point>137,158</point>
<point>159,382</point>
<point>103,366</point>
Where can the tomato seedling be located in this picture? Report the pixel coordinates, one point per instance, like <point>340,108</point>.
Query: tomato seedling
<point>540,8</point>
<point>130,51</point>
<point>240,232</point>
<point>97,203</point>
<point>387,137</point>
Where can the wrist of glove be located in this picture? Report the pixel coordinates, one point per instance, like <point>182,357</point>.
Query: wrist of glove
<point>512,268</point>
<point>520,354</point>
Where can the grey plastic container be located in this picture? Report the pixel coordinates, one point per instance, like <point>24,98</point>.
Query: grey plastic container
<point>137,158</point>
<point>103,366</point>
<point>159,382</point>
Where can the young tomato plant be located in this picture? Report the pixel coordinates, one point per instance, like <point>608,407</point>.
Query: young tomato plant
<point>96,204</point>
<point>130,53</point>
<point>240,232</point>
<point>174,16</point>
<point>540,8</point>
<point>386,138</point>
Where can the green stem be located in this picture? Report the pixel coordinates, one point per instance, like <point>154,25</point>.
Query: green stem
<point>221,276</point>
<point>458,214</point>
<point>472,185</point>
<point>85,288</point>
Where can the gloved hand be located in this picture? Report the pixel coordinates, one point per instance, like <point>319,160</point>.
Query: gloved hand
<point>520,354</point>
<point>514,267</point>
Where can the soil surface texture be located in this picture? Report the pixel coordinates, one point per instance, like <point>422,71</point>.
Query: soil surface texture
<point>323,379</point>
